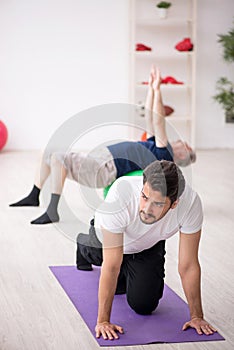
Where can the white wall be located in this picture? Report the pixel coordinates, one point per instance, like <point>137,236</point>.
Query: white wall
<point>59,57</point>
<point>213,17</point>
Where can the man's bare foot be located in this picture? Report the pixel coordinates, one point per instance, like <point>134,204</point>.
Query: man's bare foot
<point>157,79</point>
<point>152,76</point>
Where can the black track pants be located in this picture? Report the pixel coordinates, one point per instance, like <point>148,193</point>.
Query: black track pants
<point>141,275</point>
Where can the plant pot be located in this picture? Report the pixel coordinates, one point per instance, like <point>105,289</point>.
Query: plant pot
<point>162,12</point>
<point>229,116</point>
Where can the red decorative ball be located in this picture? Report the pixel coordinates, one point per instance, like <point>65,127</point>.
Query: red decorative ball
<point>3,134</point>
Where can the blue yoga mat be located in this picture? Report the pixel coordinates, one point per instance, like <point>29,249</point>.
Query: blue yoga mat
<point>162,326</point>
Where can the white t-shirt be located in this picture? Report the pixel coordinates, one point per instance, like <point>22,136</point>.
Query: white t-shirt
<point>119,213</point>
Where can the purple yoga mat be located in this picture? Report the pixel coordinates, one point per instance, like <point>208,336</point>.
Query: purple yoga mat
<point>162,326</point>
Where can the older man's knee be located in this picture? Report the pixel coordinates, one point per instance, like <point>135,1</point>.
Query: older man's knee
<point>54,159</point>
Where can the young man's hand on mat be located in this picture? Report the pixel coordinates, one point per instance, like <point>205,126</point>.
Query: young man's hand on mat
<point>108,330</point>
<point>200,325</point>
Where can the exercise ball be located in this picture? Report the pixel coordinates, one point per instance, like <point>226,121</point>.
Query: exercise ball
<point>3,135</point>
<point>144,136</point>
<point>132,173</point>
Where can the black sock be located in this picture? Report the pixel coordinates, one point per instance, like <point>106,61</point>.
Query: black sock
<point>51,214</point>
<point>32,200</point>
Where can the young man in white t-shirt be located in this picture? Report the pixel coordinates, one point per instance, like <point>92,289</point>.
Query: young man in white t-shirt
<point>128,241</point>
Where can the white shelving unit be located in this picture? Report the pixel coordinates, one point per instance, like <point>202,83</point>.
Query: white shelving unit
<point>162,35</point>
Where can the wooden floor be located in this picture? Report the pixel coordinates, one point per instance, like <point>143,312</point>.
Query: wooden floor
<point>36,314</point>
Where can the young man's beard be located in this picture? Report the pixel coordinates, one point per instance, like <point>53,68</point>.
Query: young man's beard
<point>147,218</point>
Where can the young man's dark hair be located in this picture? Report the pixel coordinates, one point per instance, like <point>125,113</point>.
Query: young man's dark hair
<point>166,177</point>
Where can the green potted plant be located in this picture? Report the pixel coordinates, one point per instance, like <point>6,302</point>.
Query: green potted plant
<point>163,7</point>
<point>225,97</point>
<point>225,87</point>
